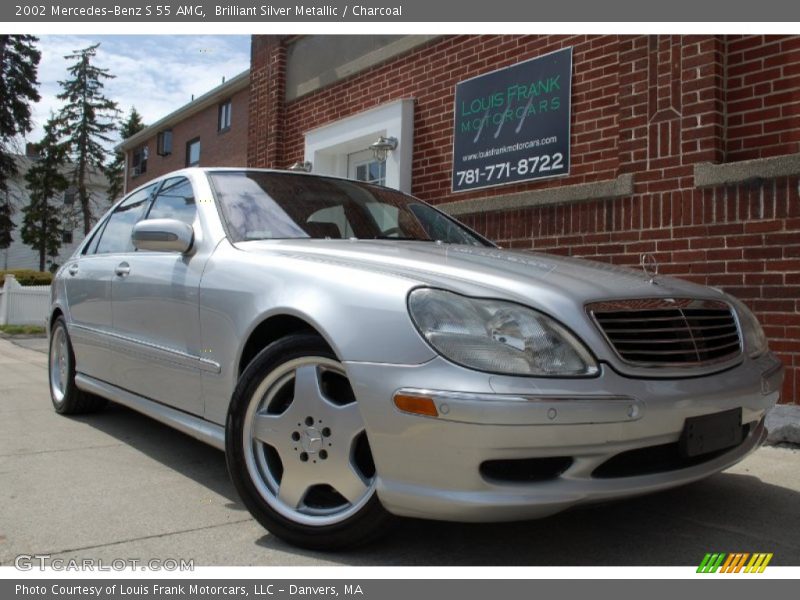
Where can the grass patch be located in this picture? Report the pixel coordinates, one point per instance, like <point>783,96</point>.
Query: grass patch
<point>22,329</point>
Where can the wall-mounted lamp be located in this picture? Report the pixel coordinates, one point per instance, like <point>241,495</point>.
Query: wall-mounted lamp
<point>382,147</point>
<point>304,167</point>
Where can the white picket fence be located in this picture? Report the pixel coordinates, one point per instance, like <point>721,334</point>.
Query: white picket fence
<point>23,305</point>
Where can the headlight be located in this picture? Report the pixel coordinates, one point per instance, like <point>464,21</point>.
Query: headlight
<point>497,336</point>
<point>754,338</point>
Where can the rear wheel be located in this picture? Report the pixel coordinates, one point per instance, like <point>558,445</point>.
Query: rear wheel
<point>67,398</point>
<point>297,448</point>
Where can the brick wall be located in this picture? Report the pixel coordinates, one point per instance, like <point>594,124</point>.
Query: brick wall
<point>763,100</point>
<point>267,89</point>
<point>651,106</point>
<point>217,149</point>
<point>744,239</point>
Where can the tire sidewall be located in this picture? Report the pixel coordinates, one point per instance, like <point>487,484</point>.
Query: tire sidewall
<point>357,529</point>
<point>61,407</point>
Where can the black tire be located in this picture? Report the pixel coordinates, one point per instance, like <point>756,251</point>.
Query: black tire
<point>69,400</point>
<point>359,522</point>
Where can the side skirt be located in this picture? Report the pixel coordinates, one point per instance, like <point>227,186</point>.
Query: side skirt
<point>198,428</point>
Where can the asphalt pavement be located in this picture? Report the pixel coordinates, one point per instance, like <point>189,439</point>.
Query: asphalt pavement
<point>117,485</point>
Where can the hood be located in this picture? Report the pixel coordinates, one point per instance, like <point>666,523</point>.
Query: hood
<point>528,277</point>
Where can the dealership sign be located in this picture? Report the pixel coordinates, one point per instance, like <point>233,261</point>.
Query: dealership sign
<point>512,125</point>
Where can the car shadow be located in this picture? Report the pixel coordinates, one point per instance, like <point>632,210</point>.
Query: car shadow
<point>729,512</point>
<point>725,513</point>
<point>173,449</point>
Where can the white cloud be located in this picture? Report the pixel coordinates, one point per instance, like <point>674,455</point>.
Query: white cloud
<point>155,73</point>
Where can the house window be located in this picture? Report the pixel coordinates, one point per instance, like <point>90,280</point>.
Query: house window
<point>224,121</point>
<point>363,167</point>
<point>193,152</point>
<point>139,162</point>
<point>66,237</point>
<point>69,196</point>
<point>164,143</point>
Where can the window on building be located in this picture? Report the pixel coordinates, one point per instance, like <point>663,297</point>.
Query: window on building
<point>69,196</point>
<point>66,237</point>
<point>175,200</point>
<point>363,167</point>
<point>193,153</point>
<point>164,143</point>
<point>139,161</point>
<point>224,122</point>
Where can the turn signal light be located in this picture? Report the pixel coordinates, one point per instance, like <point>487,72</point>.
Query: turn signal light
<point>418,405</point>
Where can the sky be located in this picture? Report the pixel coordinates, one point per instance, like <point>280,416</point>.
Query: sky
<point>155,73</point>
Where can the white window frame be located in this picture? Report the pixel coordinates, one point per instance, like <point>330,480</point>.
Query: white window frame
<point>328,147</point>
<point>367,160</point>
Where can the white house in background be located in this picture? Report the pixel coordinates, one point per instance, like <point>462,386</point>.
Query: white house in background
<point>21,256</point>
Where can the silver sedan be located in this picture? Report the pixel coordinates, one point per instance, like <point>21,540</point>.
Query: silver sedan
<point>360,355</point>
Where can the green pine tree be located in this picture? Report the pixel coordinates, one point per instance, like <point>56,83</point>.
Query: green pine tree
<point>19,64</point>
<point>116,168</point>
<point>41,223</point>
<point>87,121</point>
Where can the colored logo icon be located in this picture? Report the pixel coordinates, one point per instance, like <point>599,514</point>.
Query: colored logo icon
<point>736,562</point>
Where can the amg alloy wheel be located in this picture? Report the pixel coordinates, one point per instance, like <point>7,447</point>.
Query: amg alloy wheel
<point>67,398</point>
<point>298,450</point>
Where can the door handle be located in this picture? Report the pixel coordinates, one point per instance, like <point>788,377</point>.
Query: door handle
<point>73,269</point>
<point>122,269</point>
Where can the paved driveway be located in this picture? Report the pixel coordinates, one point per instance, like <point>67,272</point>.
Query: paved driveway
<point>119,485</point>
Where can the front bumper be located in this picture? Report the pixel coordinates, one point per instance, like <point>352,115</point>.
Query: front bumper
<point>430,467</point>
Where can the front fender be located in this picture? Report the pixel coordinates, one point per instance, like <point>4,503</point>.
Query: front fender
<point>362,315</point>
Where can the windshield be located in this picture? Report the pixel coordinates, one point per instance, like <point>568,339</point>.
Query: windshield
<point>266,205</point>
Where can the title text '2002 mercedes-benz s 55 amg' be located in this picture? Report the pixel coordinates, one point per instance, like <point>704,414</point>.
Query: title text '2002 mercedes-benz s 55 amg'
<point>360,355</point>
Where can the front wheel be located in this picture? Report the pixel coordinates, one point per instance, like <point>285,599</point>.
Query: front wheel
<point>297,448</point>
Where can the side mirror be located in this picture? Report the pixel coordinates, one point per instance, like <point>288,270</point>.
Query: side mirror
<point>163,235</point>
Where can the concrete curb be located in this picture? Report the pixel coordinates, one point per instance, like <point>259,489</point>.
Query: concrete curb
<point>783,423</point>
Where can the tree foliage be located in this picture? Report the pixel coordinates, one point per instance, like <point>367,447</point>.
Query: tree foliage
<point>41,224</point>
<point>116,168</point>
<point>19,65</point>
<point>86,124</point>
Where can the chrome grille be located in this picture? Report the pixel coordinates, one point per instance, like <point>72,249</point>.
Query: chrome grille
<point>675,332</point>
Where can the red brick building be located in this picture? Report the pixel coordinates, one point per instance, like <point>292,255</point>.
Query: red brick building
<point>211,130</point>
<point>687,147</point>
